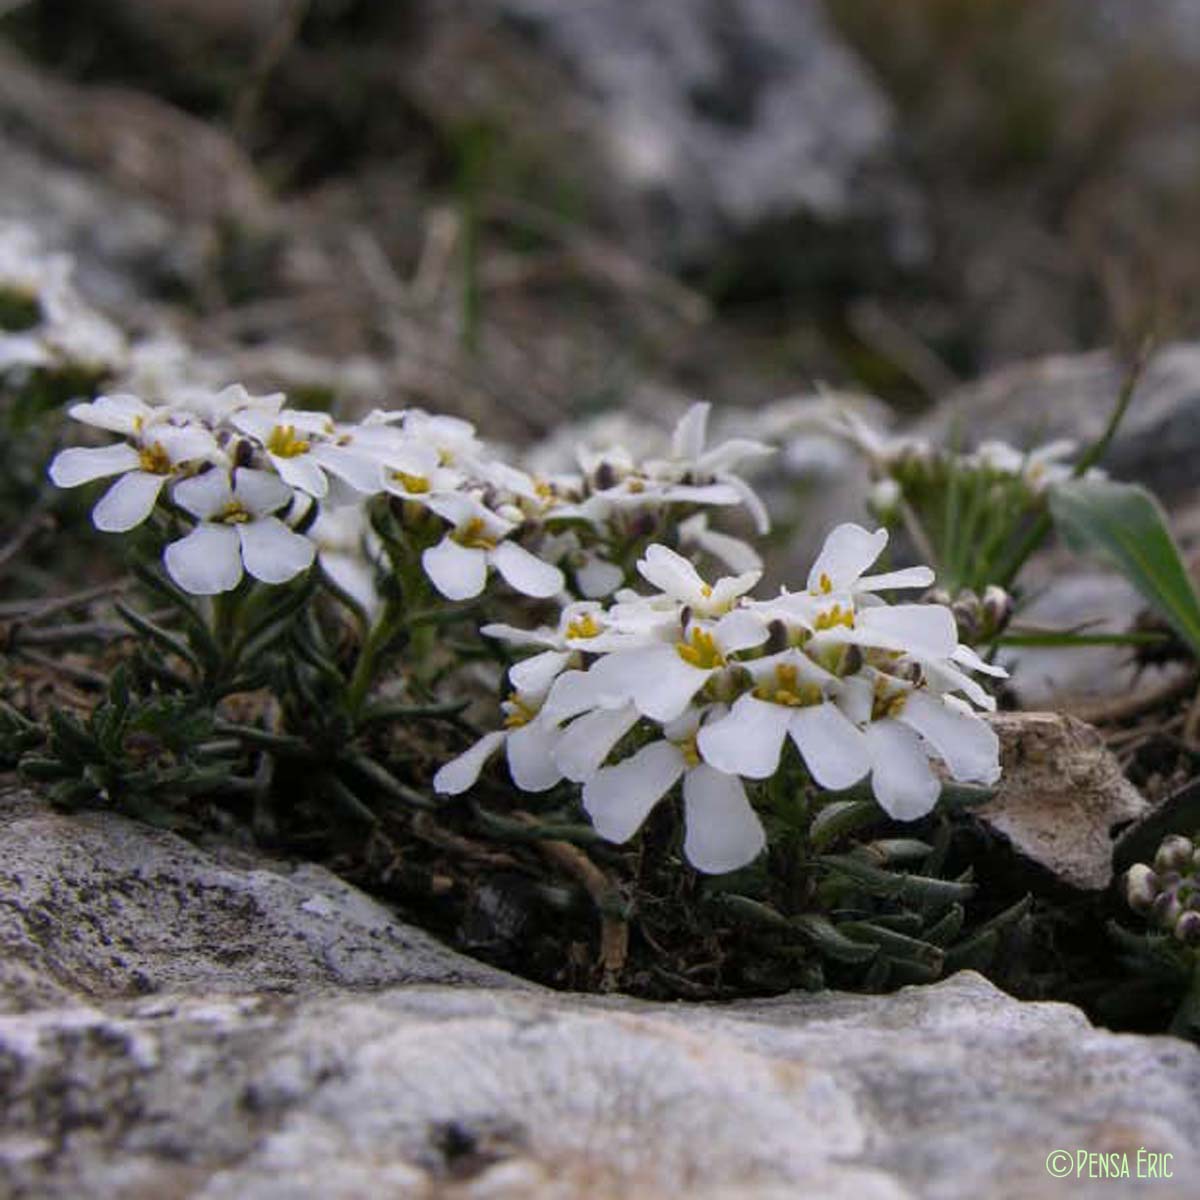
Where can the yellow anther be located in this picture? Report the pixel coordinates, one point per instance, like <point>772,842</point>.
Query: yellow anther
<point>789,689</point>
<point>833,617</point>
<point>636,486</point>
<point>706,590</point>
<point>415,485</point>
<point>519,711</point>
<point>544,490</point>
<point>474,535</point>
<point>824,584</point>
<point>701,650</point>
<point>284,442</point>
<point>584,627</point>
<point>689,750</point>
<point>885,702</point>
<point>154,459</point>
<point>234,513</point>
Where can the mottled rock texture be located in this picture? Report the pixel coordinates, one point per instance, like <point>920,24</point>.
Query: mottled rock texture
<point>300,1043</point>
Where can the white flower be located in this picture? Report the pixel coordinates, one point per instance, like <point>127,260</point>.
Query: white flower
<point>346,547</point>
<point>722,830</point>
<point>902,724</point>
<point>160,451</point>
<point>792,697</point>
<point>675,577</point>
<point>458,565</point>
<point>528,743</point>
<point>237,527</point>
<point>734,553</point>
<point>302,446</point>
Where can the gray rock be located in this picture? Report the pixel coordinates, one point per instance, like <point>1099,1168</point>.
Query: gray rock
<point>98,905</point>
<point>720,116</point>
<point>308,1045</point>
<point>1073,395</point>
<point>942,1091</point>
<point>1060,795</point>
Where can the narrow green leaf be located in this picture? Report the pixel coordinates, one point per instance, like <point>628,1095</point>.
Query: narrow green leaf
<point>1126,525</point>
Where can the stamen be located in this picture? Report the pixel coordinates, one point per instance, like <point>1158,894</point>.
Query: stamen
<point>518,711</point>
<point>154,459</point>
<point>833,617</point>
<point>285,443</point>
<point>234,513</point>
<point>584,627</point>
<point>701,651</point>
<point>474,535</point>
<point>416,485</point>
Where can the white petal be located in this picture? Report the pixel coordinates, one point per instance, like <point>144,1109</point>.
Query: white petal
<point>458,572</point>
<point>925,630</point>
<point>586,743</point>
<point>531,756</point>
<point>207,561</point>
<point>128,502</point>
<point>687,440</point>
<point>733,552</point>
<point>598,578</point>
<point>848,551</point>
<point>119,414</point>
<point>749,740</point>
<point>575,692</point>
<point>966,743</point>
<point>833,749</point>
<point>273,552</point>
<point>460,773</point>
<point>184,443</point>
<point>740,630</point>
<point>520,637</point>
<point>535,675</point>
<point>671,573</point>
<point>944,678</point>
<point>909,577</point>
<point>723,831</point>
<point>657,680</point>
<point>618,799</point>
<point>901,778</point>
<point>968,658</point>
<point>355,468</point>
<point>204,495</point>
<point>751,501</point>
<point>260,491</point>
<point>302,473</point>
<point>856,698</point>
<point>78,465</point>
<point>526,572</point>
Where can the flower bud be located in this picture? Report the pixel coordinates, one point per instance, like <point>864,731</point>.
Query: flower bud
<point>967,615</point>
<point>884,498</point>
<point>937,596</point>
<point>1174,854</point>
<point>997,608</point>
<point>1187,928</point>
<point>1166,909</point>
<point>1141,887</point>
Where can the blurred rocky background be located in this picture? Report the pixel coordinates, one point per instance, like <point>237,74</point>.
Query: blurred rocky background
<point>526,211</point>
<point>527,208</point>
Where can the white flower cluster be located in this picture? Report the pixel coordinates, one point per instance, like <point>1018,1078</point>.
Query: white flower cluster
<point>58,330</point>
<point>813,426</point>
<point>245,469</point>
<point>708,685</point>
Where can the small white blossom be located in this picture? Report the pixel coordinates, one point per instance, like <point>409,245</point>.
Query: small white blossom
<point>237,527</point>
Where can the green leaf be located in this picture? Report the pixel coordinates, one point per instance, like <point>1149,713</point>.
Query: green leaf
<point>1127,526</point>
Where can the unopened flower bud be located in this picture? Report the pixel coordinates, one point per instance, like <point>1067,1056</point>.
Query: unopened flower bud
<point>1166,909</point>
<point>884,498</point>
<point>605,477</point>
<point>243,453</point>
<point>937,596</point>
<point>1141,887</point>
<point>1187,928</point>
<point>1174,854</point>
<point>997,608</point>
<point>967,615</point>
